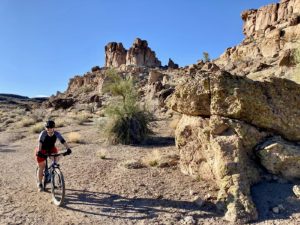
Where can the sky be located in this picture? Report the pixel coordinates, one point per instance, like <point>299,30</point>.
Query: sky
<point>44,43</point>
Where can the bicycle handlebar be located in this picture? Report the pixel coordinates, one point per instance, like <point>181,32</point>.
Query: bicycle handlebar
<point>55,154</point>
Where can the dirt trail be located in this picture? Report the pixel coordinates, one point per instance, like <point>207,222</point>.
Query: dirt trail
<point>104,191</point>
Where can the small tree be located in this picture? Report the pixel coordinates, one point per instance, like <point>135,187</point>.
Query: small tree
<point>206,57</point>
<point>129,124</point>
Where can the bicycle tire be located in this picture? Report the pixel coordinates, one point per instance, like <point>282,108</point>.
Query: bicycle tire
<point>58,187</point>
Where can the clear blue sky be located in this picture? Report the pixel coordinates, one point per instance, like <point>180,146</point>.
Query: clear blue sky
<point>44,43</point>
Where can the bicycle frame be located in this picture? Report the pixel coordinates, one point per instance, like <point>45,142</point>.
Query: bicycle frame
<point>54,176</point>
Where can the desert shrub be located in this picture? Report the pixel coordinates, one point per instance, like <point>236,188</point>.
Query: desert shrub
<point>74,137</point>
<point>129,124</point>
<point>37,128</point>
<point>60,122</point>
<point>152,158</point>
<point>102,153</point>
<point>206,57</point>
<point>83,117</point>
<point>26,122</point>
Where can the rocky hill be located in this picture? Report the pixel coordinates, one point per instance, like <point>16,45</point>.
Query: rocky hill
<point>239,115</point>
<point>272,35</point>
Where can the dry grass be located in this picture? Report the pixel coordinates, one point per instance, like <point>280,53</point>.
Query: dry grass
<point>82,118</point>
<point>152,158</point>
<point>102,153</point>
<point>37,128</point>
<point>26,122</point>
<point>60,122</point>
<point>74,137</point>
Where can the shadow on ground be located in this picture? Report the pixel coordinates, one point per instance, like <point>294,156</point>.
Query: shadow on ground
<point>116,206</point>
<point>3,149</point>
<point>267,195</point>
<point>155,141</point>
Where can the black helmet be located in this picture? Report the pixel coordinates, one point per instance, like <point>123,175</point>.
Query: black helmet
<point>50,124</point>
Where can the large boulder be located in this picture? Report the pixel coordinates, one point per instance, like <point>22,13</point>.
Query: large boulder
<point>220,149</point>
<point>225,118</point>
<point>280,157</point>
<point>262,104</point>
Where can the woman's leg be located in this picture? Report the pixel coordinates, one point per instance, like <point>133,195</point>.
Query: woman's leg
<point>41,167</point>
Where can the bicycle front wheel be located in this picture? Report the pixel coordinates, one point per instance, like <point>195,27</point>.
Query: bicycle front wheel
<point>58,187</point>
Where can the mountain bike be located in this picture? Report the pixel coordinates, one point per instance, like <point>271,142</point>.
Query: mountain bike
<point>53,175</point>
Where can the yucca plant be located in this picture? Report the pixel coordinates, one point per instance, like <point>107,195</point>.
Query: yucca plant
<point>129,124</point>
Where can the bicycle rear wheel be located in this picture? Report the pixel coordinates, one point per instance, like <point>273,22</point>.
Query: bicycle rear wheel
<point>58,187</point>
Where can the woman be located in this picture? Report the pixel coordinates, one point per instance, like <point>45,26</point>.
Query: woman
<point>46,145</point>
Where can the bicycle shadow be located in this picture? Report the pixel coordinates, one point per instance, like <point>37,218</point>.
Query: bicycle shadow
<point>117,206</point>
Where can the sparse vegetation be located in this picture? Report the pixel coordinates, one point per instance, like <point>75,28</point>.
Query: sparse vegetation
<point>82,118</point>
<point>102,153</point>
<point>26,122</point>
<point>74,137</point>
<point>206,57</point>
<point>129,124</point>
<point>152,158</point>
<point>37,128</point>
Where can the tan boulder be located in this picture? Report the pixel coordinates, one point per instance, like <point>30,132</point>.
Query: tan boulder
<point>192,98</point>
<point>220,149</point>
<point>280,157</point>
<point>263,104</point>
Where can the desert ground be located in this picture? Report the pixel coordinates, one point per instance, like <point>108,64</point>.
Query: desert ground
<point>118,184</point>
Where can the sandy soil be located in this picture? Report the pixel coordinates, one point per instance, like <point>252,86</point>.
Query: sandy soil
<point>104,191</point>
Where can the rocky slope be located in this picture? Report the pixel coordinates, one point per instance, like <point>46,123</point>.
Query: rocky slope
<point>272,35</point>
<point>238,113</point>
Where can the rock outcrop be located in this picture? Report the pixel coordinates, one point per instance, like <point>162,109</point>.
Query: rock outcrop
<point>225,118</point>
<point>115,54</point>
<point>271,33</point>
<point>138,55</point>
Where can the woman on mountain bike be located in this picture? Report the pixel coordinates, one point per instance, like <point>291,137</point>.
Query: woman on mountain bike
<point>46,145</point>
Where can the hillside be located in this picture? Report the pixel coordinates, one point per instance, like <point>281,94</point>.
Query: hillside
<point>225,147</point>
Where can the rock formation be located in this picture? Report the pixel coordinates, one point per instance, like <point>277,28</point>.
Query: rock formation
<point>172,65</point>
<point>138,55</point>
<point>271,32</point>
<point>115,54</point>
<point>225,119</point>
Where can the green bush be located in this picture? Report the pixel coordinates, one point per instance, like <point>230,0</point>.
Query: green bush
<point>129,124</point>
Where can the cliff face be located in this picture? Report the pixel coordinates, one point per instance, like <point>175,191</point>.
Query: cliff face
<point>138,55</point>
<point>272,35</point>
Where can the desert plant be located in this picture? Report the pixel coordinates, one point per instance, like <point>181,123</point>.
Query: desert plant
<point>26,122</point>
<point>82,117</point>
<point>129,124</point>
<point>206,57</point>
<point>74,137</point>
<point>102,153</point>
<point>152,158</point>
<point>37,128</point>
